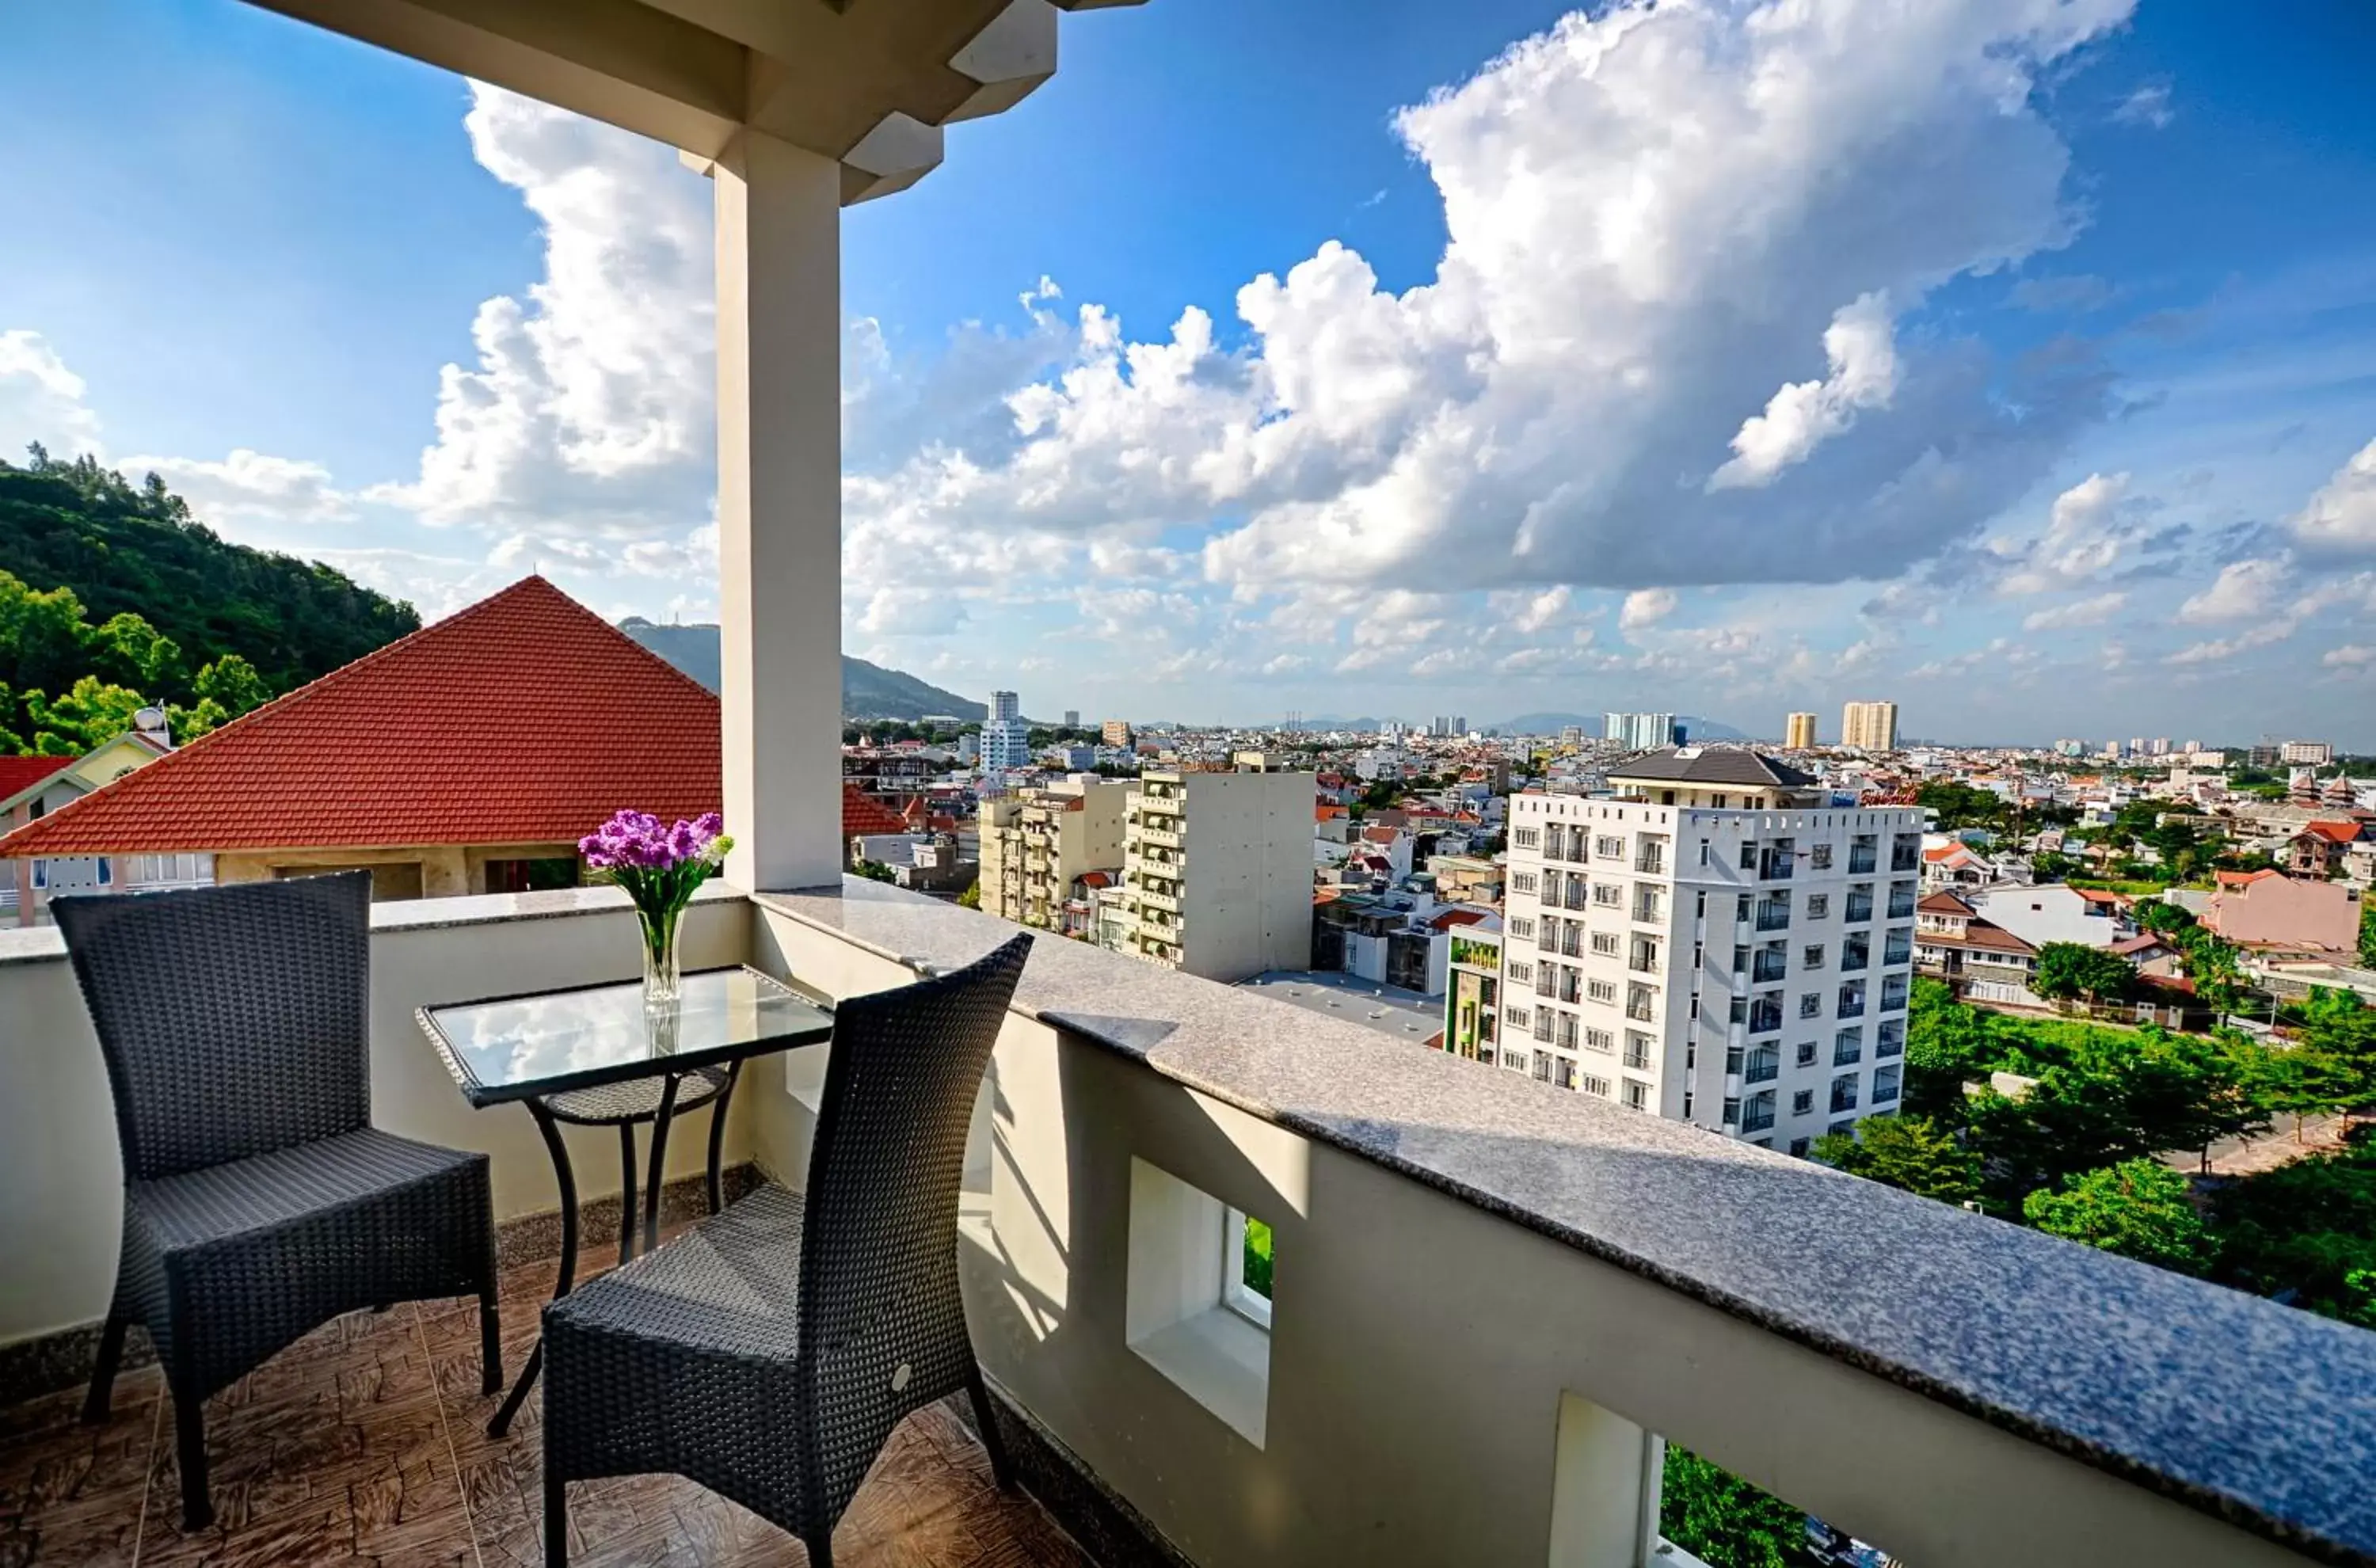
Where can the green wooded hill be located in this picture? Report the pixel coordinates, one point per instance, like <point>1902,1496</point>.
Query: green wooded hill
<point>154,602</point>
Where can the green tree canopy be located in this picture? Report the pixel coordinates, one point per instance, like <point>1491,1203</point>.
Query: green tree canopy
<point>1909,1152</point>
<point>1724,1521</point>
<point>2139,1209</point>
<point>2068,970</point>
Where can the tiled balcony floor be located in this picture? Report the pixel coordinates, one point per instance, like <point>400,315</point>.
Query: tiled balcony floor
<point>366,1443</point>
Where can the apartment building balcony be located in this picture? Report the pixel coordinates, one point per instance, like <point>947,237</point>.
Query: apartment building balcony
<point>1901,902</point>
<point>1173,835</point>
<point>1864,858</point>
<point>1858,909</point>
<point>1163,898</point>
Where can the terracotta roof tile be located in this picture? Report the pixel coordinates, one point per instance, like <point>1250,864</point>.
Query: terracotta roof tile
<point>18,774</point>
<point>526,718</point>
<point>863,813</point>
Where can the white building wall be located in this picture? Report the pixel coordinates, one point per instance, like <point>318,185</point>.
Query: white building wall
<point>1679,946</point>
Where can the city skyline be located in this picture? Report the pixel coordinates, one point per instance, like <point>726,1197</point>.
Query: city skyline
<point>1246,414</point>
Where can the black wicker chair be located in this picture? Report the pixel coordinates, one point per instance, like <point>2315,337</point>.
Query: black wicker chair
<point>768,1352</point>
<point>259,1201</point>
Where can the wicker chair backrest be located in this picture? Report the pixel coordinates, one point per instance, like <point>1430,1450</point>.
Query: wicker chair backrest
<point>233,1020</point>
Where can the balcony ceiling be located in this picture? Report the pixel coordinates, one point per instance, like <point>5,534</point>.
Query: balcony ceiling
<point>867,82</point>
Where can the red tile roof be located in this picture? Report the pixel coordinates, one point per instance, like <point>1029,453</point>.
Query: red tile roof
<point>863,813</point>
<point>526,718</point>
<point>2332,832</point>
<point>1943,904</point>
<point>18,774</point>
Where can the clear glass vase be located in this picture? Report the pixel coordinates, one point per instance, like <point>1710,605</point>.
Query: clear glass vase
<point>663,969</point>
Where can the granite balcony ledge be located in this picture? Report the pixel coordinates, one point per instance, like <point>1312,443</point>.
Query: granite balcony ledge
<point>2255,1413</point>
<point>22,944</point>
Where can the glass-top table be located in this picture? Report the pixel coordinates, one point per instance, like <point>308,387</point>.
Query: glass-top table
<point>551,1043</point>
<point>596,1057</point>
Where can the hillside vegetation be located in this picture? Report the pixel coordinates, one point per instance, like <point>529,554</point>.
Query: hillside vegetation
<point>112,595</point>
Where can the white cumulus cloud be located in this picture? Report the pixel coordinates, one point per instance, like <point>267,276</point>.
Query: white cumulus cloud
<point>251,486</point>
<point>2242,590</point>
<point>2341,516</point>
<point>41,400</point>
<point>2092,612</point>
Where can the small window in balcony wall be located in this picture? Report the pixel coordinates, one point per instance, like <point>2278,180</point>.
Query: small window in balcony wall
<point>1245,1267</point>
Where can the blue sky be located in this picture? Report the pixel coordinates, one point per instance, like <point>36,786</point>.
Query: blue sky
<point>2010,359</point>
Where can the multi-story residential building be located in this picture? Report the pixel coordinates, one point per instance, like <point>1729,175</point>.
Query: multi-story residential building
<point>1039,845</point>
<point>1870,726</point>
<point>1472,1005</point>
<point>1716,942</point>
<point>1798,732</point>
<point>2306,754</point>
<point>1638,732</point>
<point>1005,739</point>
<point>1072,719</point>
<point>1115,732</point>
<point>1216,873</point>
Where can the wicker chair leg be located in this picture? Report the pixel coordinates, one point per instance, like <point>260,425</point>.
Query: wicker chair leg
<point>190,1453</point>
<point>96,1403</point>
<point>491,1343</point>
<point>556,1521</point>
<point>820,1548</point>
<point>626,1191</point>
<point>1002,1470</point>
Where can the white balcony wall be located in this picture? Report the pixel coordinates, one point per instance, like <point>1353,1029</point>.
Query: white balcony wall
<point>58,1158</point>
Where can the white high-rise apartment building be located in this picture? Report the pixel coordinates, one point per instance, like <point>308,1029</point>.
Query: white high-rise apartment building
<point>1715,943</point>
<point>1005,739</point>
<point>1639,732</point>
<point>1870,726</point>
<point>1216,873</point>
<point>1798,732</point>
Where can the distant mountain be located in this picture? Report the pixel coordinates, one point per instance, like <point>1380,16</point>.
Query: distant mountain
<point>868,691</point>
<point>1694,727</point>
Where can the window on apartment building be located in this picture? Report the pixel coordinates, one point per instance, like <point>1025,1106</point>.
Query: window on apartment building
<point>1522,881</point>
<point>1843,1093</point>
<point>1649,902</point>
<point>1811,1005</point>
<point>1544,1060</point>
<point>1807,1049</point>
<point>1608,895</point>
<point>1820,856</point>
<point>1846,1127</point>
<point>1637,1049</point>
<point>1740,960</point>
<point>1565,1038</point>
<point>1521,973</point>
<point>1641,1002</point>
<point>1527,838</point>
<point>1599,1040</point>
<point>1564,1074</point>
<point>1644,956</point>
<point>1732,1111</point>
<point>1605,944</point>
<point>1245,1267</point>
<point>1847,1047</point>
<point>1799,1148</point>
<point>1884,1085</point>
<point>1602,990</point>
<point>1819,905</point>
<point>1749,856</point>
<point>1609,847</point>
<point>1521,926</point>
<point>1741,907</point>
<point>1518,1015</point>
<point>1703,855</point>
<point>1637,1095</point>
<point>1591,1085</point>
<point>1740,1009</point>
<point>1811,958</point>
<point>1803,1102</point>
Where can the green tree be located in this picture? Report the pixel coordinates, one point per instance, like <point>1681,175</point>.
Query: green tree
<point>1946,1043</point>
<point>2367,933</point>
<point>875,871</point>
<point>2306,1230</point>
<point>91,712</point>
<point>971,897</point>
<point>1724,1521</point>
<point>2067,970</point>
<point>2161,915</point>
<point>2139,1209</point>
<point>1909,1152</point>
<point>227,688</point>
<point>2105,1096</point>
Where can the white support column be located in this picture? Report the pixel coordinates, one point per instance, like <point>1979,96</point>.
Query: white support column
<point>780,509</point>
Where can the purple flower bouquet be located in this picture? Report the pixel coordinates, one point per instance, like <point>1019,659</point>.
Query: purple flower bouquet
<point>659,867</point>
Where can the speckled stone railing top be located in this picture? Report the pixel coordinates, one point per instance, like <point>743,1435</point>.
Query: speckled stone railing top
<point>22,944</point>
<point>2259,1414</point>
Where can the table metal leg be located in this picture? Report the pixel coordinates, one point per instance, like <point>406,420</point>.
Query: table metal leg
<point>656,1179</point>
<point>717,1135</point>
<point>567,1180</point>
<point>626,1191</point>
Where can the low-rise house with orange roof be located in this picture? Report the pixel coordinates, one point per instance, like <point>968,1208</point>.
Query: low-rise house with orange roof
<point>2320,848</point>
<point>467,758</point>
<point>33,787</point>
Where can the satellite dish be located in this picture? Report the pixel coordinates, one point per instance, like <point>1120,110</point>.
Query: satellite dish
<point>148,719</point>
